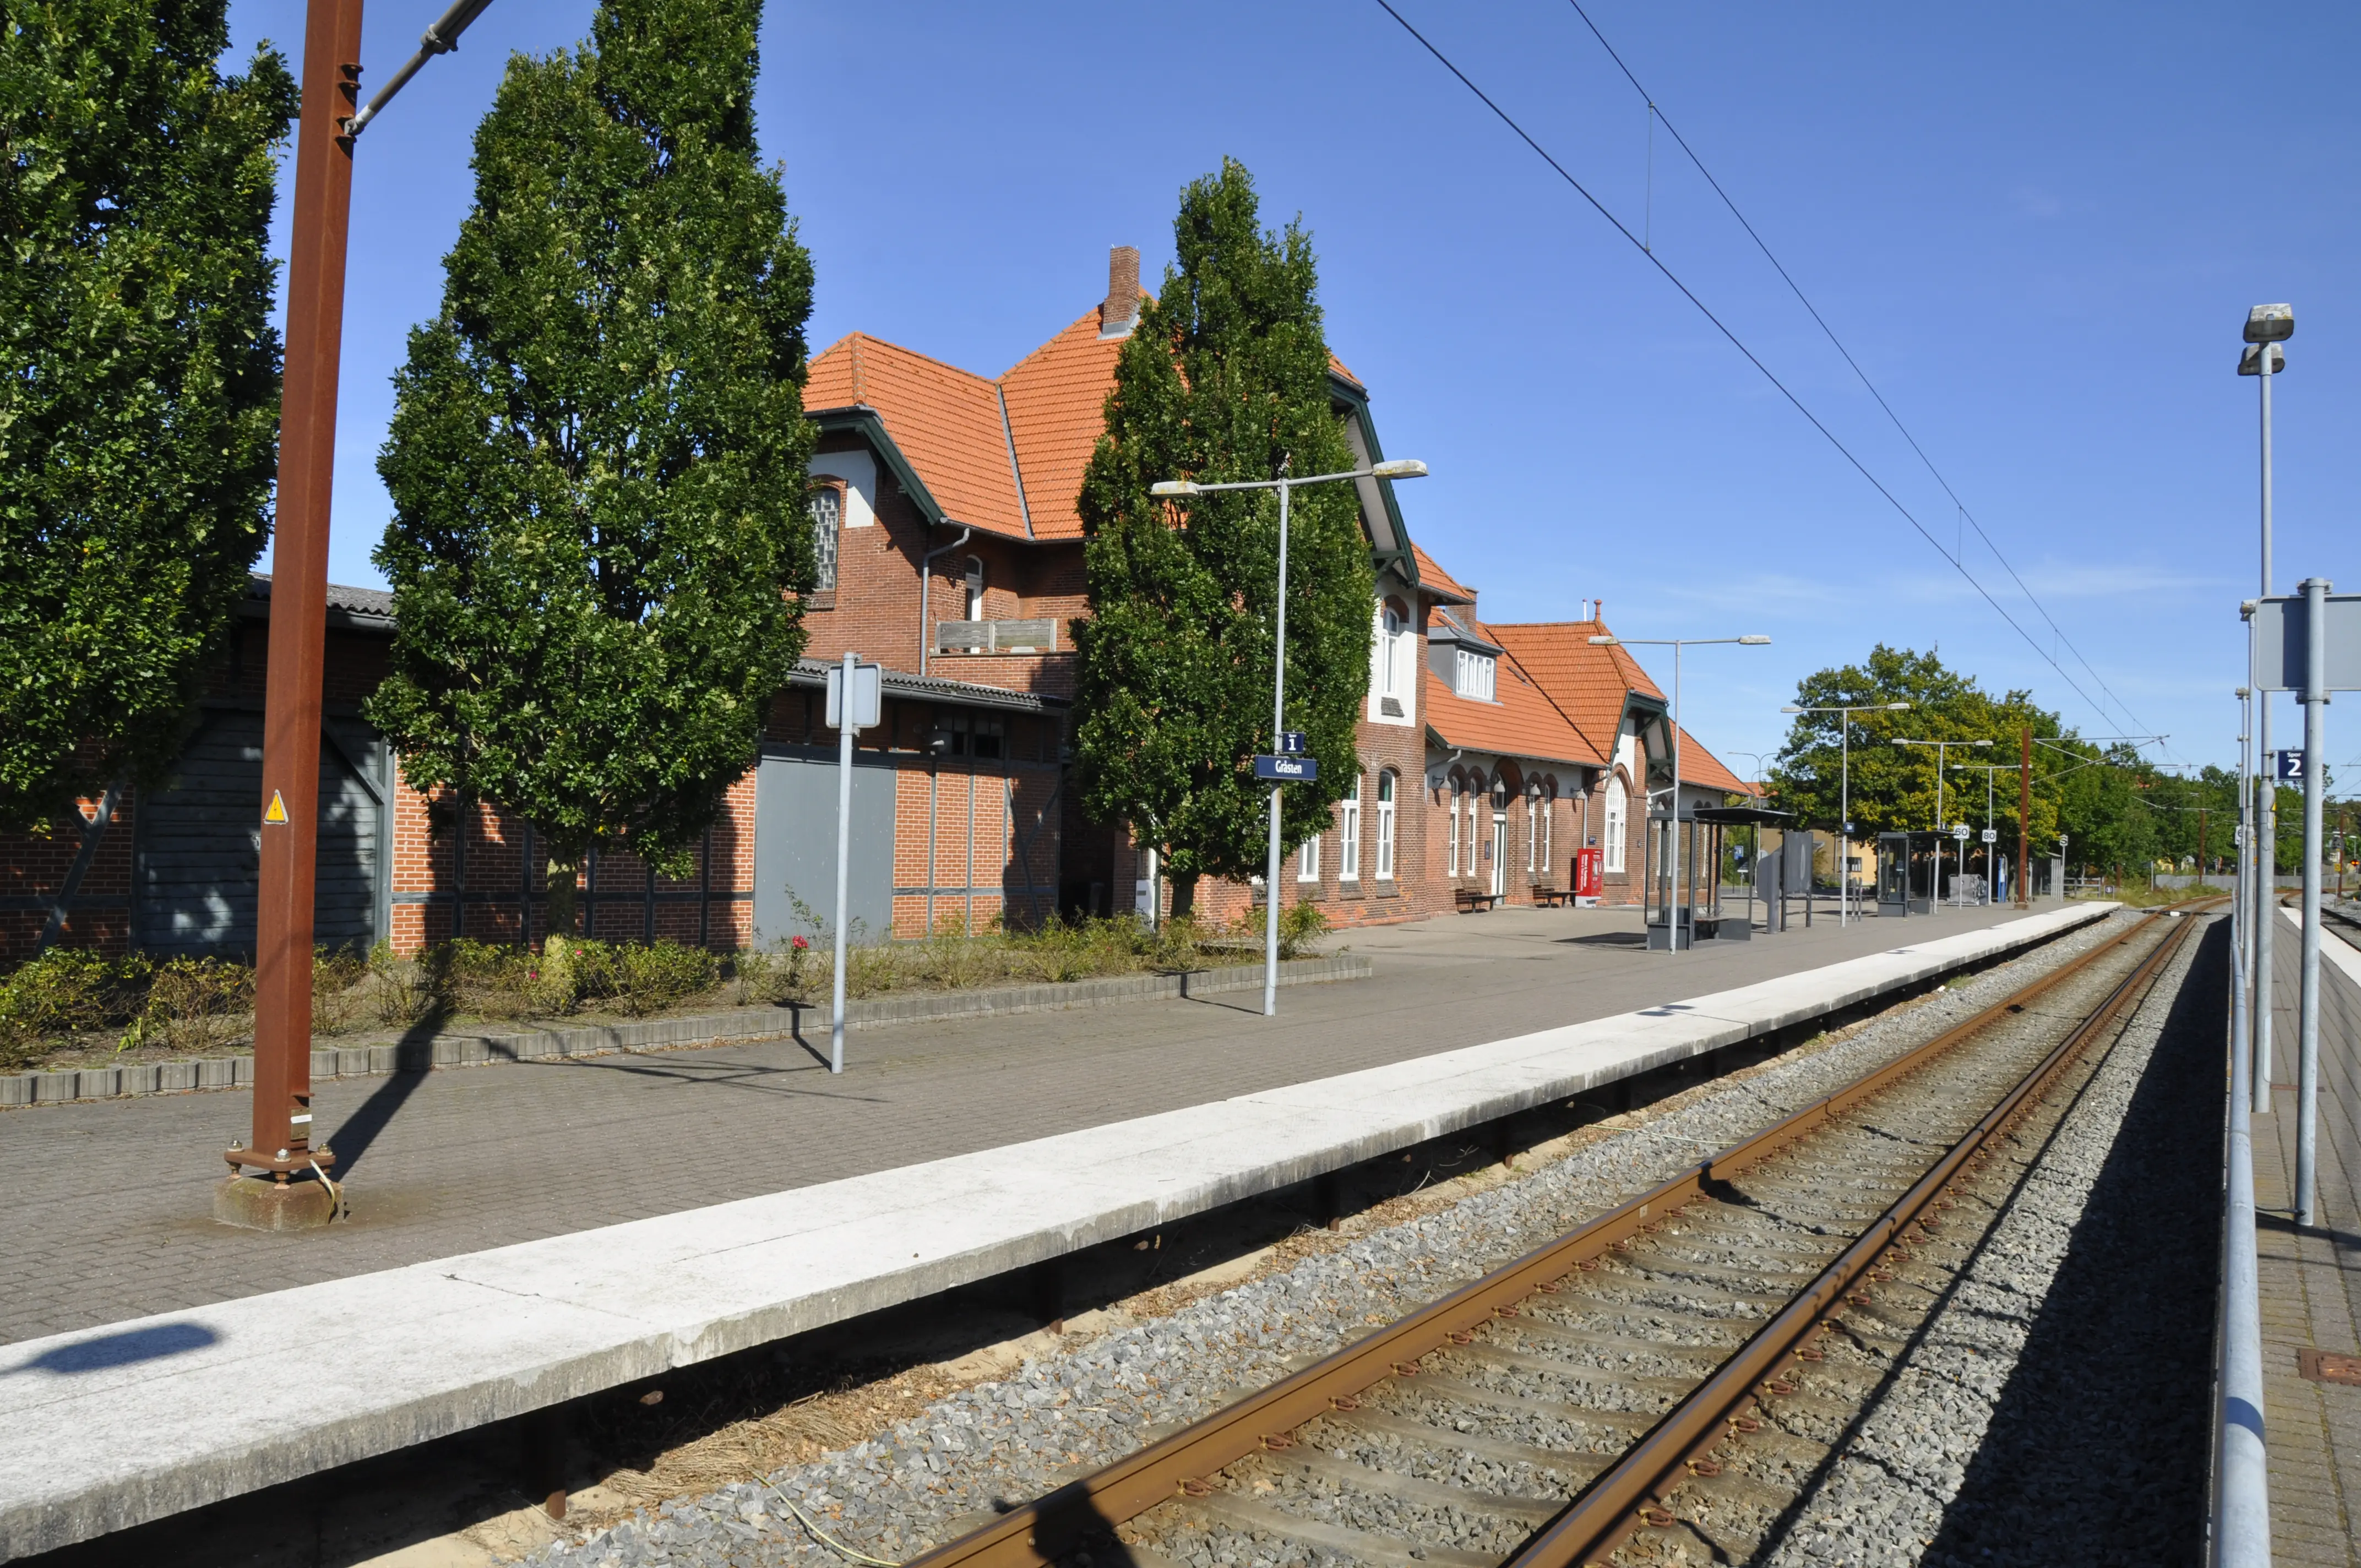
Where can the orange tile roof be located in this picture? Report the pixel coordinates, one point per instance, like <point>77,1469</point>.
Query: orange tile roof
<point>948,423</point>
<point>1057,408</point>
<point>1434,578</point>
<point>945,419</point>
<point>1587,683</point>
<point>1521,724</point>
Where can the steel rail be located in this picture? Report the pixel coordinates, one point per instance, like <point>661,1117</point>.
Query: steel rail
<point>1038,1532</point>
<point>1624,1496</point>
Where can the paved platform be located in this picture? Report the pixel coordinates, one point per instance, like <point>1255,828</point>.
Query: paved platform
<point>2311,1281</point>
<point>139,1419</point>
<point>109,1204</point>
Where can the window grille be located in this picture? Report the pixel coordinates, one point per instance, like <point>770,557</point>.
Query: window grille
<point>827,521</point>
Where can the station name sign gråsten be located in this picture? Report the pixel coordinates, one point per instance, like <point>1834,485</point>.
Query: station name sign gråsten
<point>1286,770</point>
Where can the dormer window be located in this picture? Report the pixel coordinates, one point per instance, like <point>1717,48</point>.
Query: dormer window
<point>1475,677</point>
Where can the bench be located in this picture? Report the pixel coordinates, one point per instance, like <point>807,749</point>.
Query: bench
<point>1467,898</point>
<point>1549,897</point>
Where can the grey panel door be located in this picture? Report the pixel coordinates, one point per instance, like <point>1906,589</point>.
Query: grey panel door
<point>197,864</point>
<point>795,849</point>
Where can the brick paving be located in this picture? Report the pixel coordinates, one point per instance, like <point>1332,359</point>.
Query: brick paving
<point>109,1212</point>
<point>2312,1282</point>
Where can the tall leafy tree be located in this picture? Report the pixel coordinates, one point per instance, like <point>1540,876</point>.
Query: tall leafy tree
<point>1893,787</point>
<point>1225,377</point>
<point>138,378</point>
<point>597,453</point>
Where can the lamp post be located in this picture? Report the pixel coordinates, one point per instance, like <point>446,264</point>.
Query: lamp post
<point>2242,910</point>
<point>282,1149</point>
<point>2267,326</point>
<point>1844,793</point>
<point>1752,640</point>
<point>1939,748</point>
<point>1398,469</point>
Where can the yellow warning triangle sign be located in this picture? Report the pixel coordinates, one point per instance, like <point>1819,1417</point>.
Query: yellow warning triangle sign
<point>278,812</point>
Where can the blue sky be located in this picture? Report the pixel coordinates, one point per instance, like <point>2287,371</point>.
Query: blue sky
<point>2038,228</point>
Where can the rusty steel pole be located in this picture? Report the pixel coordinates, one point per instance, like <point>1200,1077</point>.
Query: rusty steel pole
<point>281,1144</point>
<point>2025,816</point>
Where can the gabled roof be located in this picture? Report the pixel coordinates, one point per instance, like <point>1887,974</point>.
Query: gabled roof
<point>1007,457</point>
<point>1437,581</point>
<point>1521,722</point>
<point>1591,684</point>
<point>946,421</point>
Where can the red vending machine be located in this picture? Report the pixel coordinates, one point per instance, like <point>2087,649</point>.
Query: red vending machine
<point>1586,877</point>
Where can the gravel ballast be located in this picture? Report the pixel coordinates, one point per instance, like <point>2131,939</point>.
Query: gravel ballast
<point>931,1477</point>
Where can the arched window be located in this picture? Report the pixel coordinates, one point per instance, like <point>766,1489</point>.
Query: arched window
<point>1617,801</point>
<point>1348,836</point>
<point>1549,813</point>
<point>1451,828</point>
<point>1393,659</point>
<point>1475,838</point>
<point>1386,826</point>
<point>827,521</point>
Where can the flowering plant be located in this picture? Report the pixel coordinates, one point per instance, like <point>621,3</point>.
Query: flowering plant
<point>801,943</point>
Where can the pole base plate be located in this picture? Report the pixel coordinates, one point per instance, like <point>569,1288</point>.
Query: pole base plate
<point>259,1203</point>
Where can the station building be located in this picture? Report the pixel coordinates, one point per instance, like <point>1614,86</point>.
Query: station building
<point>952,554</point>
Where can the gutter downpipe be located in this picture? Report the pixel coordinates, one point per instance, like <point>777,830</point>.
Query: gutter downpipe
<point>925,582</point>
<point>2240,1528</point>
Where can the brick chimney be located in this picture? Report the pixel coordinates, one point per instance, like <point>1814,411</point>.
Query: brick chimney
<point>1120,313</point>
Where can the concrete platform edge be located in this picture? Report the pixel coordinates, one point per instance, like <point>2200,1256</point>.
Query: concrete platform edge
<point>100,1437</point>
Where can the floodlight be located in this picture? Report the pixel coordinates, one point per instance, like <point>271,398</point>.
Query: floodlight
<point>2270,323</point>
<point>1399,468</point>
<point>1174,488</point>
<point>2250,363</point>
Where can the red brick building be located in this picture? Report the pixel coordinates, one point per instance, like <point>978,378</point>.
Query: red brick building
<point>952,554</point>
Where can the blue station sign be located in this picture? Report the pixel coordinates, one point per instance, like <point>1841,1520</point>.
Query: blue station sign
<point>1286,770</point>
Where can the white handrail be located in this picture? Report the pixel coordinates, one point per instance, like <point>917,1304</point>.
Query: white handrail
<point>2240,1523</point>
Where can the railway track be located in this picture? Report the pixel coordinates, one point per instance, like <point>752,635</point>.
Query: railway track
<point>1662,1382</point>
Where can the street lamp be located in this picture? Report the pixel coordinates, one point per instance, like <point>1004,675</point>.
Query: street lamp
<point>1752,640</point>
<point>1939,746</point>
<point>2267,326</point>
<point>1844,792</point>
<point>1173,490</point>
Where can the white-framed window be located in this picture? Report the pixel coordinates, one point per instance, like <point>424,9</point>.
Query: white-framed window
<point>1451,831</point>
<point>1549,810</point>
<point>828,523</point>
<point>1474,836</point>
<point>1532,828</point>
<point>1386,826</point>
<point>1307,860</point>
<point>1617,803</point>
<point>1475,676</point>
<point>1348,836</point>
<point>1392,635</point>
<point>975,588</point>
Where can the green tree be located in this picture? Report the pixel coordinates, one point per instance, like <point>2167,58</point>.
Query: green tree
<point>1893,787</point>
<point>597,453</point>
<point>138,378</point>
<point>1226,377</point>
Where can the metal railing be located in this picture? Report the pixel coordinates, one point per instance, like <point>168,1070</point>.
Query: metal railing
<point>996,636</point>
<point>2239,1528</point>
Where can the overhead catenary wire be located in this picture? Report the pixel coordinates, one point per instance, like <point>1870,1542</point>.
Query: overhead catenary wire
<point>1656,114</point>
<point>1644,248</point>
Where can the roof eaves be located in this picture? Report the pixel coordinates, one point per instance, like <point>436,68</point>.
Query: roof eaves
<point>812,674</point>
<point>865,422</point>
<point>1377,496</point>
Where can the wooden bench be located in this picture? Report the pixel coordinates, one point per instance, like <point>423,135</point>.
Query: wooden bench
<point>1466,898</point>
<point>1549,897</point>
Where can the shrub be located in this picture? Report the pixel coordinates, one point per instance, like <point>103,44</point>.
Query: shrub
<point>403,991</point>
<point>195,1004</point>
<point>636,977</point>
<point>1300,925</point>
<point>337,975</point>
<point>66,991</point>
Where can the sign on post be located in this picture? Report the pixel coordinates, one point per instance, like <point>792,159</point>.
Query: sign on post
<point>1291,743</point>
<point>1960,831</point>
<point>2288,765</point>
<point>1992,835</point>
<point>868,696</point>
<point>1286,770</point>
